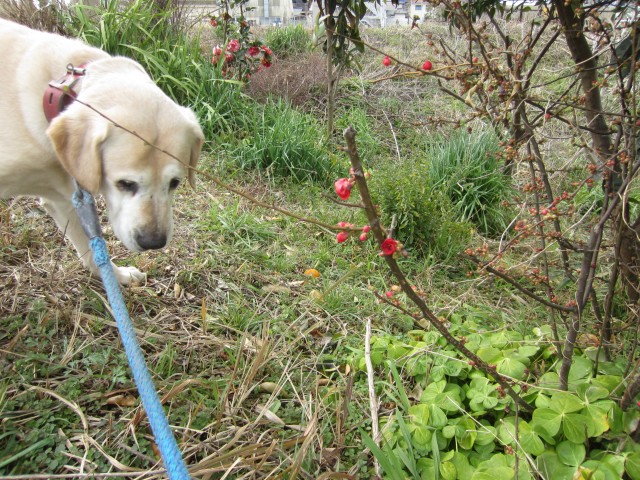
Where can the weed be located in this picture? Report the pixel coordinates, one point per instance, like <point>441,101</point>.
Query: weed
<point>423,214</point>
<point>289,41</point>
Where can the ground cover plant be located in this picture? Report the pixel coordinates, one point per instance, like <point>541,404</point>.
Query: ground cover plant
<point>502,346</point>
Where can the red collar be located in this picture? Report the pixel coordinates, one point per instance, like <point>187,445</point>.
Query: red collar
<point>60,94</point>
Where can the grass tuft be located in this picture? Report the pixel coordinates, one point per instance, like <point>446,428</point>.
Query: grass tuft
<point>289,41</point>
<point>466,168</point>
<point>282,142</point>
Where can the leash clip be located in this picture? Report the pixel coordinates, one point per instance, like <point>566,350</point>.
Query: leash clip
<point>87,213</point>
<point>76,71</point>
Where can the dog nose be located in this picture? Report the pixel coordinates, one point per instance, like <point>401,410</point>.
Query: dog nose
<point>151,240</point>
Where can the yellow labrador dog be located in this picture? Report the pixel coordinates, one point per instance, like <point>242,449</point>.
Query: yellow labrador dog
<point>48,139</point>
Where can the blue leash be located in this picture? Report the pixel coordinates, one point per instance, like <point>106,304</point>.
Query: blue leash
<point>171,456</point>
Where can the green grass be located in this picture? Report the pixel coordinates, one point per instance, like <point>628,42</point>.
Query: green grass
<point>467,169</point>
<point>422,211</point>
<point>282,142</point>
<point>289,41</point>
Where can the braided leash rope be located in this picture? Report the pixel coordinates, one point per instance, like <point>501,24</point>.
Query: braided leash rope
<point>171,456</point>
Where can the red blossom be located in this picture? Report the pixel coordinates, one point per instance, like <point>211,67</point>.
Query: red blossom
<point>233,46</point>
<point>341,237</point>
<point>267,50</point>
<point>366,229</point>
<point>363,237</point>
<point>389,246</point>
<point>253,51</point>
<point>386,61</point>
<point>213,22</point>
<point>343,188</point>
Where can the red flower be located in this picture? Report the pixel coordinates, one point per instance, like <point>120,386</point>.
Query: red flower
<point>253,51</point>
<point>341,237</point>
<point>363,237</point>
<point>228,57</point>
<point>217,51</point>
<point>213,22</point>
<point>389,246</point>
<point>265,62</point>
<point>233,46</point>
<point>386,61</point>
<point>343,188</point>
<point>266,50</point>
<point>366,229</point>
<point>427,65</point>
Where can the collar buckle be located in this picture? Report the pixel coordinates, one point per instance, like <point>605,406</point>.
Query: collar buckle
<point>60,94</point>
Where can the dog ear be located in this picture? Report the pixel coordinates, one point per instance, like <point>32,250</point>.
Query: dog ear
<point>195,156</point>
<point>77,142</point>
<point>198,140</point>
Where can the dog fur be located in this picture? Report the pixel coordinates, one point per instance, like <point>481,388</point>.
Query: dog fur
<point>41,159</point>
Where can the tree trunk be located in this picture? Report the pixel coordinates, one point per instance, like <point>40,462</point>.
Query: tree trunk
<point>625,235</point>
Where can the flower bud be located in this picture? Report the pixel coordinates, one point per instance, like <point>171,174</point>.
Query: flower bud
<point>341,237</point>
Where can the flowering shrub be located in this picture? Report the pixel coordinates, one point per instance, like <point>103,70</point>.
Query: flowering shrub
<point>240,56</point>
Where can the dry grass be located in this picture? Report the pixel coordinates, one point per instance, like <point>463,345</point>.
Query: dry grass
<point>25,12</point>
<point>301,80</point>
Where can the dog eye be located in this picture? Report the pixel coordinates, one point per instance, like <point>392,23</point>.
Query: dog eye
<point>127,186</point>
<point>173,184</point>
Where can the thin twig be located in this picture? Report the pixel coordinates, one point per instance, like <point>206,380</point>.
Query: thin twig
<point>522,289</point>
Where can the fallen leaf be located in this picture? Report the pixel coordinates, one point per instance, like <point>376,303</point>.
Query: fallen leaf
<point>275,289</point>
<point>268,387</point>
<point>315,295</point>
<point>312,272</point>
<point>123,400</point>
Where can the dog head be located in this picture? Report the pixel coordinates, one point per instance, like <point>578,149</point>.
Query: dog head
<point>125,139</point>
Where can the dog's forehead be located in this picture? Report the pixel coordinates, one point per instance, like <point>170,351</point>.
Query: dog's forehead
<point>127,154</point>
<point>153,141</point>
